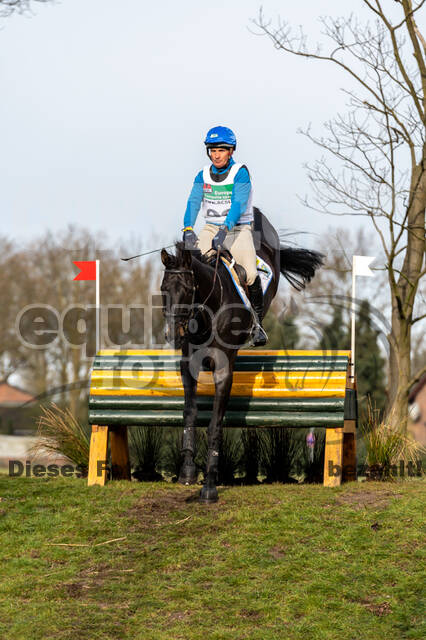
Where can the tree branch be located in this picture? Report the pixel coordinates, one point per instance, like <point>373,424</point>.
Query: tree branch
<point>415,379</point>
<point>411,28</point>
<point>280,43</point>
<point>396,51</point>
<point>418,318</point>
<point>8,7</point>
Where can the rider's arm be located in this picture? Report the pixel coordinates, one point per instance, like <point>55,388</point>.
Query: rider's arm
<point>239,199</point>
<point>194,201</point>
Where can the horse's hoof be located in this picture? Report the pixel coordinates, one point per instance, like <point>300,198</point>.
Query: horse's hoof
<point>208,495</point>
<point>188,475</point>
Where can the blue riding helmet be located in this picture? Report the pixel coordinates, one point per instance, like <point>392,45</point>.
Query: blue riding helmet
<point>220,137</point>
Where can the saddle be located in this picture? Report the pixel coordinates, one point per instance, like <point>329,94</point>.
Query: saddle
<point>238,272</point>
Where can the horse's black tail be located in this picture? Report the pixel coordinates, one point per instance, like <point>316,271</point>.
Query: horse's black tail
<point>298,266</point>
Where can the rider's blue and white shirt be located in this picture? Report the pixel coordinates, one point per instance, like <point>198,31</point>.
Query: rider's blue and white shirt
<point>240,197</point>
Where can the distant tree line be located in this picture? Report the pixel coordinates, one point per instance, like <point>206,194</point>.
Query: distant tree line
<point>41,274</point>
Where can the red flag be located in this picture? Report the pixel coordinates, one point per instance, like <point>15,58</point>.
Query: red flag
<point>87,270</point>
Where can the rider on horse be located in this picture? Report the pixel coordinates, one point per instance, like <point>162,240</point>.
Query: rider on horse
<point>223,190</point>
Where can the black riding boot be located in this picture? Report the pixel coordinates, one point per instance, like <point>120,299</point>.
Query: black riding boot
<point>259,337</point>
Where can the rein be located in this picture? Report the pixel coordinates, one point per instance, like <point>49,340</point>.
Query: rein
<point>214,282</point>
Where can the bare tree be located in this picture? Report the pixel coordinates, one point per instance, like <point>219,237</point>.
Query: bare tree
<point>10,356</point>
<point>380,146</point>
<point>7,7</point>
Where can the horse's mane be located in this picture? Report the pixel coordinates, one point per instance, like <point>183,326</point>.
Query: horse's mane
<point>195,254</point>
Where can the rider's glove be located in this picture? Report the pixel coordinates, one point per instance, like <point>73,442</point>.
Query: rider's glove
<point>189,237</point>
<point>219,238</point>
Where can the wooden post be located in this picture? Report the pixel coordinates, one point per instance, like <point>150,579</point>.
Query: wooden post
<point>120,463</point>
<point>98,456</point>
<point>333,457</point>
<point>349,437</point>
<point>349,451</point>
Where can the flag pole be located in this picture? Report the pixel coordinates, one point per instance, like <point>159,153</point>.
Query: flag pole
<point>353,315</point>
<point>360,267</point>
<point>98,307</point>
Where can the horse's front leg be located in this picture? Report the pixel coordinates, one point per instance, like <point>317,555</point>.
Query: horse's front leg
<point>223,384</point>
<point>188,471</point>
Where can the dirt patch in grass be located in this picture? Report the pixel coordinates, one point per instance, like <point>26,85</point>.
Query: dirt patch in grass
<point>74,589</point>
<point>91,579</point>
<point>250,614</point>
<point>227,545</point>
<point>277,552</point>
<point>381,609</point>
<point>157,509</point>
<point>177,616</point>
<point>367,499</point>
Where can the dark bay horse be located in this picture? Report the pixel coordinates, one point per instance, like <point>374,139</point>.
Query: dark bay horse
<point>206,318</point>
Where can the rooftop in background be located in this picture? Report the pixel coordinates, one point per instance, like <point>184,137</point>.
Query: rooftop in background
<point>12,396</point>
<point>417,388</point>
<point>417,412</point>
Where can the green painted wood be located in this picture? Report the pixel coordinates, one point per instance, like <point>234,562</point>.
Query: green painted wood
<point>243,363</point>
<point>236,403</point>
<point>232,419</point>
<point>240,358</point>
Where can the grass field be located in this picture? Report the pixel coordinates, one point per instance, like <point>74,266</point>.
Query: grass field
<point>147,562</point>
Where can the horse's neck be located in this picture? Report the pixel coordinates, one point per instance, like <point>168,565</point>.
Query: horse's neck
<point>205,281</point>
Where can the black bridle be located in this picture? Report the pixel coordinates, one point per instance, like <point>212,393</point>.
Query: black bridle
<point>188,314</point>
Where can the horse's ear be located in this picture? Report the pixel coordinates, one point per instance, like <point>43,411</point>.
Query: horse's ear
<point>166,258</point>
<point>186,259</point>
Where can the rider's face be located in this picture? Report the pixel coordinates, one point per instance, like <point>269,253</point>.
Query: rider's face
<point>220,157</point>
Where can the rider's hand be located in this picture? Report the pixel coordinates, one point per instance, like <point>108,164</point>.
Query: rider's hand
<point>219,238</point>
<point>189,237</point>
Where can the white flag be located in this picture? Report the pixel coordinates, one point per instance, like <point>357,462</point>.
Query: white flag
<point>360,265</point>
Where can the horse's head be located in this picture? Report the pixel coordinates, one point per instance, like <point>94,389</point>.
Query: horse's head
<point>178,292</point>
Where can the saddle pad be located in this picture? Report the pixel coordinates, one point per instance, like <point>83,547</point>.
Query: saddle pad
<point>264,272</point>
<point>234,277</point>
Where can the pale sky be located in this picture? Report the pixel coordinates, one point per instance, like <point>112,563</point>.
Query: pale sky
<point>104,108</point>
